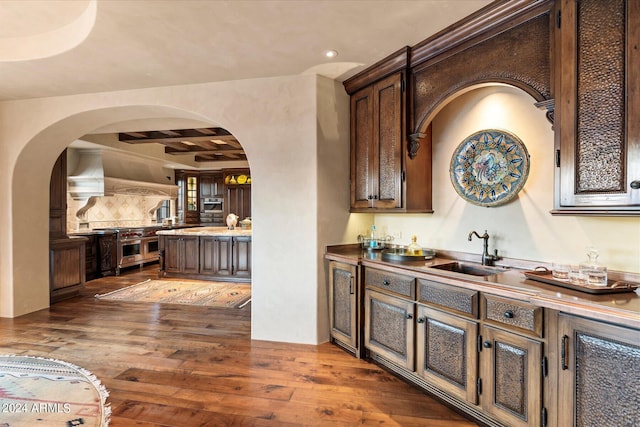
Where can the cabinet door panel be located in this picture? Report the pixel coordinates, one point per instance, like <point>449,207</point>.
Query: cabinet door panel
<point>342,301</point>
<point>242,256</point>
<point>388,122</point>
<point>207,255</point>
<point>223,256</point>
<point>191,254</point>
<point>389,328</point>
<point>361,148</point>
<point>171,254</point>
<point>511,377</point>
<point>446,352</point>
<point>599,376</point>
<point>597,134</point>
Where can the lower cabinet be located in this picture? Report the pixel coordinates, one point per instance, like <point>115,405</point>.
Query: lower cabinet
<point>66,267</point>
<point>484,352</point>
<point>225,256</point>
<point>181,254</point>
<point>503,361</point>
<point>216,255</point>
<point>599,382</point>
<point>446,352</point>
<point>107,254</point>
<point>206,257</point>
<point>344,312</point>
<point>389,327</point>
<point>510,384</point>
<point>241,257</point>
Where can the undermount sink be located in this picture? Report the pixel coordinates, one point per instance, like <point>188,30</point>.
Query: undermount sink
<point>470,269</point>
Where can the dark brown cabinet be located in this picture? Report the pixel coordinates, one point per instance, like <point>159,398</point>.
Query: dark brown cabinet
<point>376,145</point>
<point>66,254</point>
<point>181,254</point>
<point>597,131</point>
<point>216,255</point>
<point>241,257</point>
<point>226,258</point>
<point>344,311</point>
<point>237,192</point>
<point>599,375</point>
<point>388,173</point>
<point>211,185</point>
<point>107,254</point>
<point>188,204</point>
<point>238,200</point>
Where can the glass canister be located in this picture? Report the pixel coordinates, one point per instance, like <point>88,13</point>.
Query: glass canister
<point>590,269</point>
<point>414,248</point>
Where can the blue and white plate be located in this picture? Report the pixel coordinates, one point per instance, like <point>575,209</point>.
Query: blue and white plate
<point>490,167</point>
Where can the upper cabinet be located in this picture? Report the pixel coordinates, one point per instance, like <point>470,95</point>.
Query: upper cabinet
<point>211,185</point>
<point>376,144</point>
<point>578,59</point>
<point>383,176</point>
<point>597,112</point>
<point>188,196</point>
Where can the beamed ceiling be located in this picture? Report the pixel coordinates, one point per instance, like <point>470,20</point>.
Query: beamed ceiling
<point>207,144</point>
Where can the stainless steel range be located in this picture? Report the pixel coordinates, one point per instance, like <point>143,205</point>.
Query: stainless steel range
<point>136,246</point>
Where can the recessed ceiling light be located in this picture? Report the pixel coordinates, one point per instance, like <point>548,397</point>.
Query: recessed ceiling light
<point>331,53</point>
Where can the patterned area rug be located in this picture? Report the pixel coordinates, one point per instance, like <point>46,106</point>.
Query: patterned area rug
<point>45,392</point>
<point>188,292</point>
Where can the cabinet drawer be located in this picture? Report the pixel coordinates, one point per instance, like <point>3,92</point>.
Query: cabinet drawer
<point>460,300</point>
<point>391,282</point>
<point>513,315</point>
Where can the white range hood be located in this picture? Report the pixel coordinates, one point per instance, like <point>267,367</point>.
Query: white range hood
<point>107,173</point>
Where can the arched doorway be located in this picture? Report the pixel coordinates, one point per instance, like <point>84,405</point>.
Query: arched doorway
<point>290,129</point>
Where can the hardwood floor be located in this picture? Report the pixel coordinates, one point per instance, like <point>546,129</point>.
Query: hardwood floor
<point>173,365</point>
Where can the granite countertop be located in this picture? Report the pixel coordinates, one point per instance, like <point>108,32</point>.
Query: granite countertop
<point>621,308</point>
<point>205,231</point>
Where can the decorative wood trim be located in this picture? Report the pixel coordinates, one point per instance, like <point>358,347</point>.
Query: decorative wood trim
<point>549,105</point>
<point>413,144</point>
<point>485,23</point>
<point>395,62</point>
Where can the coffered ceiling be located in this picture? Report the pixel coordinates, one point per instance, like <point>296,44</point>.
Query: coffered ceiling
<point>207,144</point>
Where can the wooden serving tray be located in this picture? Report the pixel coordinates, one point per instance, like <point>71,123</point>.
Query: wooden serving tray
<point>613,286</point>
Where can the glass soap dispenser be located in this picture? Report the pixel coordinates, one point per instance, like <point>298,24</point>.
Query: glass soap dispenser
<point>594,273</point>
<point>414,248</point>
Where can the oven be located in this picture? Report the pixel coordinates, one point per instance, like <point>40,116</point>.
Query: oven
<point>212,204</point>
<point>212,210</point>
<point>136,246</point>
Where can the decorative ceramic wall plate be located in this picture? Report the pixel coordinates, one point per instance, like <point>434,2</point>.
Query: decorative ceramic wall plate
<point>490,167</point>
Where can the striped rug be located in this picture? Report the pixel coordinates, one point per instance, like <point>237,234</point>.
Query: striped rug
<point>187,292</point>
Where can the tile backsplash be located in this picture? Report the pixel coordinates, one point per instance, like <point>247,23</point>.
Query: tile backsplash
<point>112,211</point>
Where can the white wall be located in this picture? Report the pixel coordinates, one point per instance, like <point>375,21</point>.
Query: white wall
<point>523,228</point>
<point>276,122</point>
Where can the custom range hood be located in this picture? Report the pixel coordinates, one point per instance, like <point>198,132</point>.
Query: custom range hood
<point>106,173</point>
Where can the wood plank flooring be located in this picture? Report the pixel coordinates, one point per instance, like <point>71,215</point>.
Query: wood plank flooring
<point>171,365</point>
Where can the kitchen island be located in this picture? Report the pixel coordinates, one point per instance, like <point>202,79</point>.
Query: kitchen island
<point>206,253</point>
<point>501,347</point>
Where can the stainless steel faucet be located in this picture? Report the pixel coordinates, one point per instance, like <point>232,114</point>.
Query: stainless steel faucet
<point>486,258</point>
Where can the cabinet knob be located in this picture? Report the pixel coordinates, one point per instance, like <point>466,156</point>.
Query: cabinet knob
<point>420,320</point>
<point>508,314</point>
<point>635,184</point>
<point>486,344</point>
<point>409,316</point>
<point>385,282</point>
